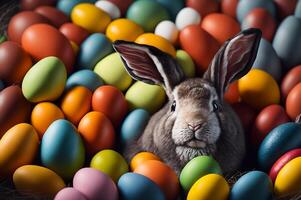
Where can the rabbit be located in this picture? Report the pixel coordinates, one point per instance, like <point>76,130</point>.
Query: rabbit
<point>196,120</point>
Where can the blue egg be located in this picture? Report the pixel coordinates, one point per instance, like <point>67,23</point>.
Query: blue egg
<point>298,9</point>
<point>93,49</point>
<point>134,124</point>
<point>2,86</point>
<point>268,60</point>
<point>280,140</point>
<point>66,6</point>
<point>86,78</point>
<point>62,149</point>
<point>245,6</point>
<point>253,185</point>
<point>173,7</point>
<point>287,41</point>
<point>134,186</point>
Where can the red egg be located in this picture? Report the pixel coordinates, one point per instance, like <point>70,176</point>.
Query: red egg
<point>55,16</point>
<point>74,33</point>
<point>204,7</point>
<point>262,19</point>
<point>32,4</point>
<point>122,5</point>
<point>292,78</point>
<point>43,40</point>
<point>232,93</point>
<point>285,7</point>
<point>200,45</point>
<point>222,27</point>
<point>293,102</point>
<point>246,114</point>
<point>229,7</point>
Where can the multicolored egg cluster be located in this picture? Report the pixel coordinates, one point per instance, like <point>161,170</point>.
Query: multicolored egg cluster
<point>68,106</point>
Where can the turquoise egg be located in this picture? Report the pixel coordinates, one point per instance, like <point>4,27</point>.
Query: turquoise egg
<point>173,7</point>
<point>253,185</point>
<point>280,140</point>
<point>86,78</point>
<point>134,124</point>
<point>62,149</point>
<point>298,9</point>
<point>66,6</point>
<point>93,49</point>
<point>134,186</point>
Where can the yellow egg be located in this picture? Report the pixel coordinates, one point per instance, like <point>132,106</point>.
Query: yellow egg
<point>209,187</point>
<point>74,47</point>
<point>259,89</point>
<point>157,41</point>
<point>288,180</point>
<point>18,147</point>
<point>37,180</point>
<point>90,17</point>
<point>123,29</point>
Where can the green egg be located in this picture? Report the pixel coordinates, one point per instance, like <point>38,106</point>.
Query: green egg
<point>148,97</point>
<point>112,71</point>
<point>2,38</point>
<point>45,81</point>
<point>186,63</point>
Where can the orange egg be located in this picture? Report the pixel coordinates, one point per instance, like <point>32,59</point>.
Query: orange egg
<point>204,7</point>
<point>162,175</point>
<point>222,27</point>
<point>293,105</point>
<point>76,103</point>
<point>141,157</point>
<point>43,114</point>
<point>229,7</point>
<point>290,80</point>
<point>97,132</point>
<point>285,7</point>
<point>74,32</point>
<point>56,17</point>
<point>232,93</point>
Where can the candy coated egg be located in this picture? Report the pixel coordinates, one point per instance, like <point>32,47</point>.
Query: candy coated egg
<point>186,63</point>
<point>74,33</point>
<point>281,139</point>
<point>173,7</point>
<point>94,184</point>
<point>168,30</point>
<point>97,132</point>
<point>142,157</point>
<point>228,7</point>
<point>66,6</point>
<point>109,7</point>
<point>252,185</point>
<point>111,163</point>
<point>22,21</point>
<point>42,40</point>
<point>246,114</point>
<point>112,72</point>
<point>290,80</point>
<point>133,125</point>
<point>145,96</point>
<point>232,94</point>
<point>37,180</point>
<point>43,114</point>
<point>187,16</point>
<point>62,149</point>
<point>134,186</point>
<point>204,7</point>
<point>86,78</point>
<point>142,12</point>
<point>285,8</point>
<point>111,102</point>
<point>123,29</point>
<point>93,49</point>
<point>292,104</point>
<point>32,4</point>
<point>45,81</point>
<point>258,89</point>
<point>55,16</point>
<point>69,193</point>
<point>197,168</point>
<point>18,147</point>
<point>209,187</point>
<point>122,5</point>
<point>222,27</point>
<point>288,180</point>
<point>89,17</point>
<point>157,41</point>
<point>14,62</point>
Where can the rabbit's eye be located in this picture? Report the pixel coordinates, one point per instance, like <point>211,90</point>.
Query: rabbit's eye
<point>173,106</point>
<point>215,105</point>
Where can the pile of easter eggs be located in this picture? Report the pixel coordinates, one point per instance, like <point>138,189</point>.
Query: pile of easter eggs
<point>68,107</point>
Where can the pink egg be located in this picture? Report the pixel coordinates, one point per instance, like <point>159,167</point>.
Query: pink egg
<point>69,193</point>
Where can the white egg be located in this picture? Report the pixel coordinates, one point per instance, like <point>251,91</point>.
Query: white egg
<point>109,8</point>
<point>187,16</point>
<point>168,30</point>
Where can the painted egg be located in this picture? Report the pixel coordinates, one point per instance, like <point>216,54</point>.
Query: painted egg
<point>123,29</point>
<point>45,81</point>
<point>55,16</point>
<point>186,63</point>
<point>14,62</point>
<point>280,140</point>
<point>197,168</point>
<point>228,7</point>
<point>290,80</point>
<point>76,103</point>
<point>112,72</point>
<point>93,49</point>
<point>145,96</point>
<point>162,175</point>
<point>74,33</point>
<point>232,94</point>
<point>133,125</point>
<point>111,163</point>
<point>122,5</point>
<point>211,186</point>
<point>94,184</point>
<point>86,78</point>
<point>69,193</point>
<point>204,7</point>
<point>18,147</point>
<point>168,30</point>
<point>173,7</point>
<point>110,8</point>
<point>32,4</point>
<point>43,114</point>
<point>89,17</point>
<point>134,186</point>
<point>142,13</point>
<point>66,6</point>
<point>222,27</point>
<point>64,156</point>
<point>97,132</point>
<point>142,157</point>
<point>258,89</point>
<point>37,180</point>
<point>246,114</point>
<point>285,8</point>
<point>292,104</point>
<point>187,16</point>
<point>288,180</point>
<point>253,185</point>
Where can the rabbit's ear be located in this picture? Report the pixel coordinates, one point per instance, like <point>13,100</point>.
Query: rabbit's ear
<point>234,59</point>
<point>149,64</point>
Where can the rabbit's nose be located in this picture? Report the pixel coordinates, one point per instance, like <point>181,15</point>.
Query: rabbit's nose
<point>194,127</point>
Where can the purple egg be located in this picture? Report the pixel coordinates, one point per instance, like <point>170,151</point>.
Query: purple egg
<point>69,193</point>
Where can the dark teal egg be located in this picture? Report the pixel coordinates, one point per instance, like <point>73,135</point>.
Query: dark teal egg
<point>86,78</point>
<point>66,6</point>
<point>173,7</point>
